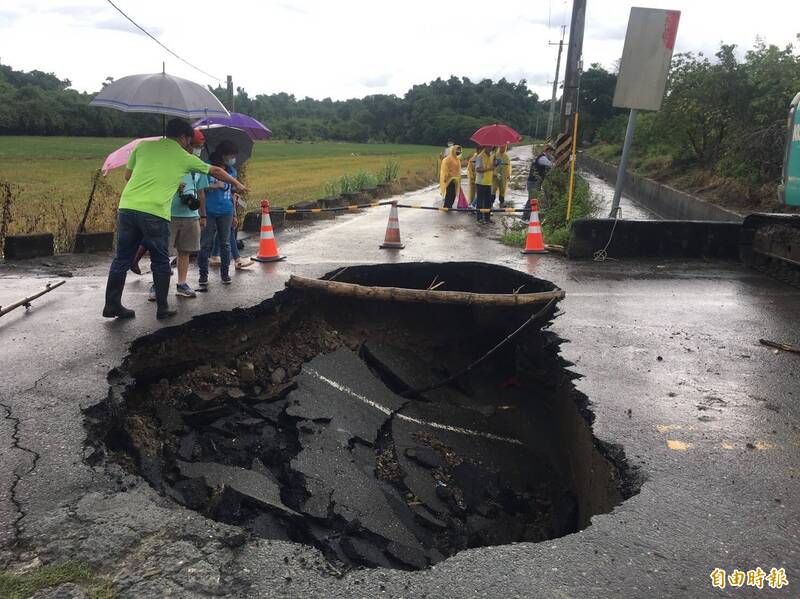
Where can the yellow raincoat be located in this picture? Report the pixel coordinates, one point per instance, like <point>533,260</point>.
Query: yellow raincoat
<point>502,172</point>
<point>450,170</point>
<point>471,177</point>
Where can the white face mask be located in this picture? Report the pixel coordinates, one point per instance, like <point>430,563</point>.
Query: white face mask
<point>197,151</point>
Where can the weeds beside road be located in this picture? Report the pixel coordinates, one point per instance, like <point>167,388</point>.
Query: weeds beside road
<point>553,211</point>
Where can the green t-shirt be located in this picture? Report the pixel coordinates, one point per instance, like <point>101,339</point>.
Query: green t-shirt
<point>157,167</point>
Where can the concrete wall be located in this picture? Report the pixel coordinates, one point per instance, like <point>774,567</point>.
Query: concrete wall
<point>663,200</point>
<point>17,247</point>
<point>657,238</point>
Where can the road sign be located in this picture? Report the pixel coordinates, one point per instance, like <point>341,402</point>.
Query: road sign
<point>646,57</point>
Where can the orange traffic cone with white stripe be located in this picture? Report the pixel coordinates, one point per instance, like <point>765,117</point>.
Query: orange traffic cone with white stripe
<point>392,239</point>
<point>534,243</point>
<point>267,247</point>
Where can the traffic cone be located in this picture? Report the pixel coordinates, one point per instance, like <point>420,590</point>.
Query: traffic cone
<point>534,243</point>
<point>462,200</point>
<point>267,247</point>
<point>392,239</point>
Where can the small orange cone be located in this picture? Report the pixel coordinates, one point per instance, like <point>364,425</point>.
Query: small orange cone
<point>267,247</point>
<point>534,244</point>
<point>392,239</point>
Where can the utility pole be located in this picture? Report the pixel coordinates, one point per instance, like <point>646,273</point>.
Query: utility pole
<point>536,134</point>
<point>572,74</point>
<point>230,94</point>
<point>552,117</point>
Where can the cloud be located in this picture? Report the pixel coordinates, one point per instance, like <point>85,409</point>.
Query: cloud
<point>607,32</point>
<point>122,24</point>
<point>376,80</point>
<point>7,18</point>
<point>78,11</point>
<point>537,20</point>
<point>292,8</point>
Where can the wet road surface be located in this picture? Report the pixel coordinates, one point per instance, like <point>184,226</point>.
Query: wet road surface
<point>668,353</point>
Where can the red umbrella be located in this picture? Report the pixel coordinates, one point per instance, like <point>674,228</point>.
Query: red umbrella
<point>496,135</point>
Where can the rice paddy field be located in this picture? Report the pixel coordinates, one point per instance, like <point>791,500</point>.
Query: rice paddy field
<point>49,178</point>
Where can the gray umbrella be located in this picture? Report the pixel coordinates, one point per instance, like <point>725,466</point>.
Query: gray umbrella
<point>214,134</point>
<point>160,93</point>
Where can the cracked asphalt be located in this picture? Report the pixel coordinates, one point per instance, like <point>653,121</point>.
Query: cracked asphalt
<point>667,352</point>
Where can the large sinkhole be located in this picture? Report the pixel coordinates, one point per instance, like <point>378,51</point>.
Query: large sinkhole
<point>300,419</point>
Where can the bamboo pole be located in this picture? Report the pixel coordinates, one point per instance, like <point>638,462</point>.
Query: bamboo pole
<point>27,300</point>
<point>82,225</point>
<point>781,346</point>
<point>398,294</point>
<point>572,158</point>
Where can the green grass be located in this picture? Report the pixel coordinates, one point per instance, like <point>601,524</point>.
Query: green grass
<point>20,586</point>
<point>553,211</point>
<point>53,176</point>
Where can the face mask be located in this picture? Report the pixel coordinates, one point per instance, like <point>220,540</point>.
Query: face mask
<point>197,151</point>
<point>231,161</point>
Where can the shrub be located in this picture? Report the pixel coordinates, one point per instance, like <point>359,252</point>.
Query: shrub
<point>389,172</point>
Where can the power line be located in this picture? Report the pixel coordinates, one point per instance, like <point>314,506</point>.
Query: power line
<point>152,37</point>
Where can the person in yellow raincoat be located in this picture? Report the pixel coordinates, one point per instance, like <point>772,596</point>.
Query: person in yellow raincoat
<point>471,177</point>
<point>450,176</point>
<point>502,173</point>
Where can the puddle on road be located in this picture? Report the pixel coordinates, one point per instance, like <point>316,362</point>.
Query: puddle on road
<point>290,420</point>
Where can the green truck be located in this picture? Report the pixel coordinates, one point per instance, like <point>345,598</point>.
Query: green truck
<point>771,242</point>
<point>789,190</point>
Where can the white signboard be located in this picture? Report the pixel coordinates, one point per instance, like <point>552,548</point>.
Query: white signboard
<point>646,57</point>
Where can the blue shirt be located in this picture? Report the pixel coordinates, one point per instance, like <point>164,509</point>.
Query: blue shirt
<point>219,202</point>
<point>192,184</point>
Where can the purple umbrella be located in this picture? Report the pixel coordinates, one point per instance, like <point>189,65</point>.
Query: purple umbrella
<point>253,128</point>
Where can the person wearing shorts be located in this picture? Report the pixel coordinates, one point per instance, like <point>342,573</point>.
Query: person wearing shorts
<point>184,228</point>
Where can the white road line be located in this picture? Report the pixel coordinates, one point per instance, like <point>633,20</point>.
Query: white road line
<point>388,412</point>
<point>349,391</point>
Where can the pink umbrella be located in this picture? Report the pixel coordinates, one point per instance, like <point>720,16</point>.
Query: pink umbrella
<point>120,157</point>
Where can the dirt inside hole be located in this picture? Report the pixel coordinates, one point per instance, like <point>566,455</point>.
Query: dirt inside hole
<point>290,419</point>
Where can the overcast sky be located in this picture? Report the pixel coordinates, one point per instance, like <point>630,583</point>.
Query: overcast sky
<point>351,48</point>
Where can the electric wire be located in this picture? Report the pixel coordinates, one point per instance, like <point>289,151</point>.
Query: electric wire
<point>152,37</point>
<point>534,317</point>
<point>602,255</point>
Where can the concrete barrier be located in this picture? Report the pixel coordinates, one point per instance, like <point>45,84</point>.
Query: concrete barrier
<point>18,247</point>
<point>89,243</point>
<point>665,201</point>
<point>663,239</point>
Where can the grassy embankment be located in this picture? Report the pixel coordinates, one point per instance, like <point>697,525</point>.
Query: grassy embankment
<point>553,211</point>
<point>52,177</point>
<point>733,193</point>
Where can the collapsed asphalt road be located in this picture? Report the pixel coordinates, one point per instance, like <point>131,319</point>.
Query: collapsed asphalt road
<point>713,426</point>
<point>297,435</point>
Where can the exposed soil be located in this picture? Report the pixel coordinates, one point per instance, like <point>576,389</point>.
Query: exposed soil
<point>297,420</point>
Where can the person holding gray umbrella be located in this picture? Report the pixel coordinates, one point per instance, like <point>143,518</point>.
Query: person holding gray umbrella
<point>155,169</point>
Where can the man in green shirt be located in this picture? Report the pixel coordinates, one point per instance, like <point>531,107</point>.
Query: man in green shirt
<point>154,173</point>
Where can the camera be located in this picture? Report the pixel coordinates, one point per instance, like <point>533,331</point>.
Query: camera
<point>191,201</point>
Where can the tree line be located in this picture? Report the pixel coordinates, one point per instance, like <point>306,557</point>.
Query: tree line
<point>726,114</point>
<point>38,103</point>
